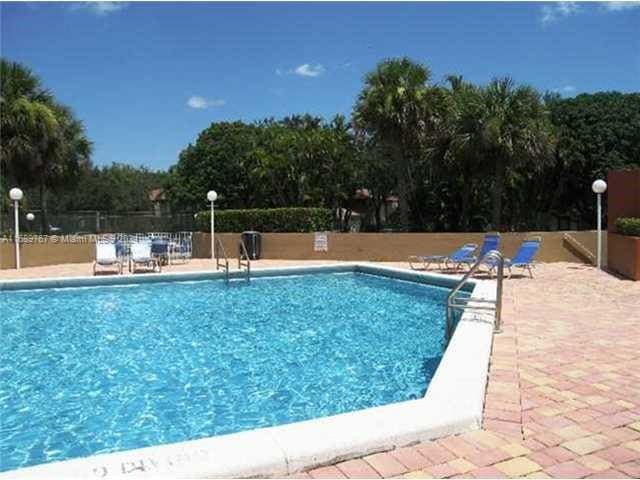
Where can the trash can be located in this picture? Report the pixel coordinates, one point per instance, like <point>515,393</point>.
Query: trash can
<point>253,243</point>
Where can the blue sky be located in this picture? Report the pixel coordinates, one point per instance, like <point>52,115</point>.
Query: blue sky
<point>147,77</point>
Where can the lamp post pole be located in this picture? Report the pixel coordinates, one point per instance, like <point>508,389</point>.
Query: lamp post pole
<point>599,187</point>
<point>211,196</point>
<point>16,194</point>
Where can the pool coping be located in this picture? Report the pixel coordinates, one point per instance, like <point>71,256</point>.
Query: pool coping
<point>452,404</point>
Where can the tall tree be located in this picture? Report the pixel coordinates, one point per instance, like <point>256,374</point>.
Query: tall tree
<point>392,108</point>
<point>42,143</point>
<point>516,134</point>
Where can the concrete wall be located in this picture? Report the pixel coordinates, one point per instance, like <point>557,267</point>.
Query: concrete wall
<point>38,254</point>
<point>623,195</point>
<point>623,200</point>
<point>342,246</point>
<point>394,246</point>
<point>625,255</point>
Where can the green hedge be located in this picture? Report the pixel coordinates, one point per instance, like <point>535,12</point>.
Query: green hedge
<point>628,226</point>
<point>268,220</point>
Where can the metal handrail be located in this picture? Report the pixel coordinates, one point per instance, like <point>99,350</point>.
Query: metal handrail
<point>219,247</point>
<point>247,263</point>
<point>496,304</point>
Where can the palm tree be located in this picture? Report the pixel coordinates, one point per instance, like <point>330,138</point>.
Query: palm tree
<point>462,139</point>
<point>391,108</point>
<point>27,121</point>
<point>516,132</point>
<point>41,143</point>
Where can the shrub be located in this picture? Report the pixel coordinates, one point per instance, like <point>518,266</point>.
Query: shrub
<point>628,226</point>
<point>268,220</point>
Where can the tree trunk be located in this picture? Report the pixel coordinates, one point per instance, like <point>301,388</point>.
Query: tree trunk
<point>44,221</point>
<point>403,204</point>
<point>498,188</point>
<point>378,207</point>
<point>464,210</point>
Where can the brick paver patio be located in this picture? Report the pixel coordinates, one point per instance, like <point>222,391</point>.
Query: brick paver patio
<point>563,394</point>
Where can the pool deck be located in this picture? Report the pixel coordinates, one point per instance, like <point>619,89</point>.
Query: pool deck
<point>563,395</point>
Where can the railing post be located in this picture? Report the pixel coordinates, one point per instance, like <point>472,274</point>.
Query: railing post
<point>498,322</point>
<point>495,254</point>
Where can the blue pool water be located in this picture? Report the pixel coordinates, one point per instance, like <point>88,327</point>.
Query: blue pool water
<point>100,369</point>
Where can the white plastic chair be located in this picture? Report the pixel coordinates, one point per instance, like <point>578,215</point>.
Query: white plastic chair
<point>141,255</point>
<point>106,257</point>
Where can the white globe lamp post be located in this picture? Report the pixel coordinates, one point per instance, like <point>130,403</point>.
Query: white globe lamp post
<point>212,196</point>
<point>599,187</point>
<point>16,195</point>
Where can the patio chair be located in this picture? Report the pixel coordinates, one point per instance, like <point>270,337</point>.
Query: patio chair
<point>522,259</point>
<point>106,257</point>
<point>180,250</point>
<point>456,258</point>
<point>491,242</point>
<point>141,256</point>
<point>160,250</point>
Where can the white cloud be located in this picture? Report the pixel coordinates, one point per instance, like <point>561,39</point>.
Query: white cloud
<point>617,6</point>
<point>567,89</point>
<point>99,8</point>
<point>308,70</point>
<point>200,103</point>
<point>555,11</point>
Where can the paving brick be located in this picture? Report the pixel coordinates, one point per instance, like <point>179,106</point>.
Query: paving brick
<point>583,446</point>
<point>443,470</point>
<point>515,449</point>
<point>487,472</point>
<point>411,458</point>
<point>385,464</point>
<point>611,473</point>
<point>542,459</point>
<point>594,462</point>
<point>417,474</point>
<point>488,457</point>
<point>632,469</point>
<point>518,467</point>
<point>357,468</point>
<point>570,469</point>
<point>461,465</point>
<point>326,472</point>
<point>435,453</point>
<point>634,445</point>
<point>457,445</point>
<point>618,455</point>
<point>299,475</point>
<point>560,454</point>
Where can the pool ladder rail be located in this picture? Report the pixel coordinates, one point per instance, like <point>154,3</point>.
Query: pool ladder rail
<point>221,262</point>
<point>477,304</point>
<point>243,259</point>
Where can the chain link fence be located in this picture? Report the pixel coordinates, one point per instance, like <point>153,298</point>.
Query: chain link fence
<point>95,221</point>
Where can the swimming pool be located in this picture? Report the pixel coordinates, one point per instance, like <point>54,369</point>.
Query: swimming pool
<point>89,370</point>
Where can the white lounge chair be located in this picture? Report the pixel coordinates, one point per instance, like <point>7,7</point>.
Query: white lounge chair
<point>106,257</point>
<point>141,256</point>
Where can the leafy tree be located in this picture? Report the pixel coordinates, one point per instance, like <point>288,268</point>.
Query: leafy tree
<point>298,161</point>
<point>392,109</point>
<point>516,134</point>
<point>42,143</point>
<point>596,133</point>
<point>116,188</point>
